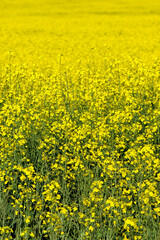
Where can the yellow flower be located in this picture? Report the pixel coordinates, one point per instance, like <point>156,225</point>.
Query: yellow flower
<point>91,228</point>
<point>27,219</point>
<point>157,210</point>
<point>130,222</point>
<point>81,215</point>
<point>16,212</point>
<point>32,234</point>
<point>22,178</point>
<point>125,237</point>
<point>63,211</point>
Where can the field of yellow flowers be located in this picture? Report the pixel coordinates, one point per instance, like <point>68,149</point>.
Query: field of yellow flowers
<point>80,120</point>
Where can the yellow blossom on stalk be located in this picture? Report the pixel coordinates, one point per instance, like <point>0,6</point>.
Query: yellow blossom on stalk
<point>75,209</point>
<point>91,228</point>
<point>125,237</point>
<point>23,233</point>
<point>130,222</point>
<point>157,210</point>
<point>27,219</point>
<point>32,234</point>
<point>86,202</point>
<point>22,178</point>
<point>63,211</point>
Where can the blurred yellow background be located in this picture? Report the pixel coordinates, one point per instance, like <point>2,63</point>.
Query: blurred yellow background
<point>46,29</point>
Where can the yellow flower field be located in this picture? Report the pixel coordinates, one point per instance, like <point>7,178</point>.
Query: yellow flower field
<point>80,120</point>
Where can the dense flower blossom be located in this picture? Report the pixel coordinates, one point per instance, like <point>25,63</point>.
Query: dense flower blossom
<point>79,120</point>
